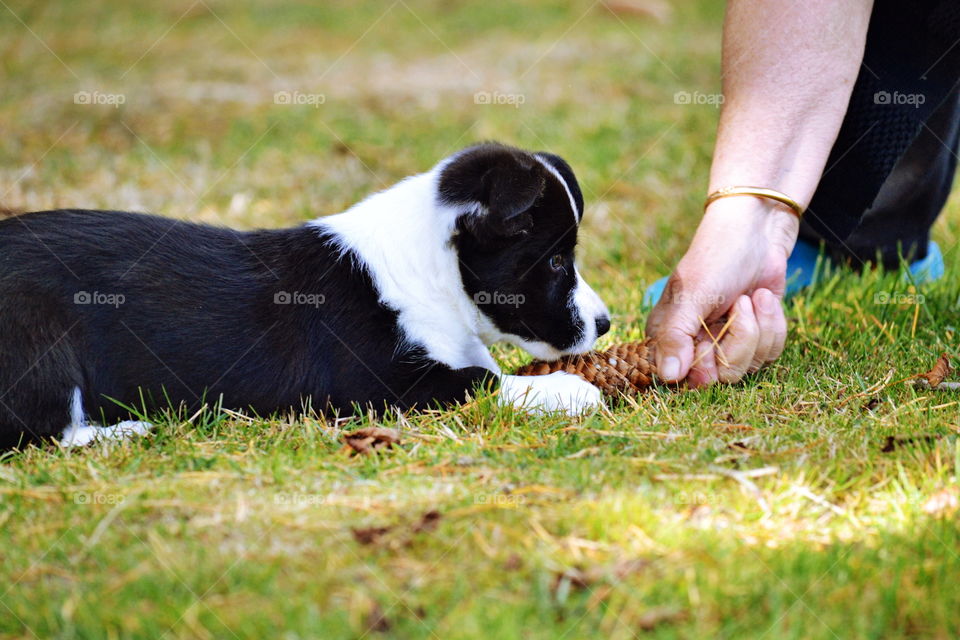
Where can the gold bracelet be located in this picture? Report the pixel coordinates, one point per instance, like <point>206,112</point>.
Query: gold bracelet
<point>758,192</point>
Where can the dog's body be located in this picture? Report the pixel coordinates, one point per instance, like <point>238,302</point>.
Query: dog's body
<point>390,304</point>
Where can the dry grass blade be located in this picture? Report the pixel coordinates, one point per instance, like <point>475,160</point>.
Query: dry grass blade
<point>659,10</point>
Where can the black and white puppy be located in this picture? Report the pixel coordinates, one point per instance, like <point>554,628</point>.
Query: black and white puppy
<point>390,304</point>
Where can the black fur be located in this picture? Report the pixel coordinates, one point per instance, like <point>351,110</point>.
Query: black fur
<point>146,312</point>
<point>199,320</point>
<point>507,270</point>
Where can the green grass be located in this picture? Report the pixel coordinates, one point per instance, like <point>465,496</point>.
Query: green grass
<point>767,509</point>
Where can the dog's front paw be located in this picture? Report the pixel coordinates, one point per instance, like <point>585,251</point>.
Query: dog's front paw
<point>558,391</point>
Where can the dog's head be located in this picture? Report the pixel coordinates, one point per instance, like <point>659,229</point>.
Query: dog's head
<point>515,241</point>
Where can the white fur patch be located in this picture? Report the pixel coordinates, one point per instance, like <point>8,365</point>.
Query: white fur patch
<point>558,391</point>
<point>79,433</point>
<point>403,237</point>
<point>85,434</point>
<point>590,307</point>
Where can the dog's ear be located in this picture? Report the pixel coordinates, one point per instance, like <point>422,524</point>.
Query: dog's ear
<point>496,185</point>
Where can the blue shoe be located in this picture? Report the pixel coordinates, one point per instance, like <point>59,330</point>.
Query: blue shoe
<point>805,268</point>
<point>930,268</point>
<point>653,293</point>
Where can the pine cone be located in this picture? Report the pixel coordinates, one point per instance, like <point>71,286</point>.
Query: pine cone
<point>622,369</point>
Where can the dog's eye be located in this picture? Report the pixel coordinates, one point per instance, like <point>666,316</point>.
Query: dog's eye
<point>556,262</point>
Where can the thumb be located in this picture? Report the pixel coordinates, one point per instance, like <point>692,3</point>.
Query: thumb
<point>673,324</point>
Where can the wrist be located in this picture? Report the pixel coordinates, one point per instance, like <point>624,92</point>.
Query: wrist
<point>751,210</point>
<point>773,221</point>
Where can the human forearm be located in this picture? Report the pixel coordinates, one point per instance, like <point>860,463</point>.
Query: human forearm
<point>789,68</point>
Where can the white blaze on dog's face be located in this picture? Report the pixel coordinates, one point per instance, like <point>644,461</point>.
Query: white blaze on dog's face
<point>516,249</point>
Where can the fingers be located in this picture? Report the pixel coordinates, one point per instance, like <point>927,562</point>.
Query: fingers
<point>755,336</point>
<point>773,328</point>
<point>739,343</point>
<point>674,323</point>
<point>704,370</point>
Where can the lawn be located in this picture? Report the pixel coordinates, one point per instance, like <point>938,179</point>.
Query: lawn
<point>816,499</point>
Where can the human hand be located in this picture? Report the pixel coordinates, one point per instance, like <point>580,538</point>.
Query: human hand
<point>735,266</point>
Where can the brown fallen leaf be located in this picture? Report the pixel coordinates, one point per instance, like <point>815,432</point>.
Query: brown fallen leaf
<point>892,443</point>
<point>653,618</point>
<point>369,535</point>
<point>942,503</point>
<point>376,619</point>
<point>939,371</point>
<point>428,522</point>
<point>582,578</point>
<point>369,439</point>
<point>376,535</point>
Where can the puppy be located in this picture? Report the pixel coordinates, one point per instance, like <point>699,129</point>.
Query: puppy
<point>390,304</point>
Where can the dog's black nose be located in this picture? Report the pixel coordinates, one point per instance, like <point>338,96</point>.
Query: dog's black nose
<point>603,325</point>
